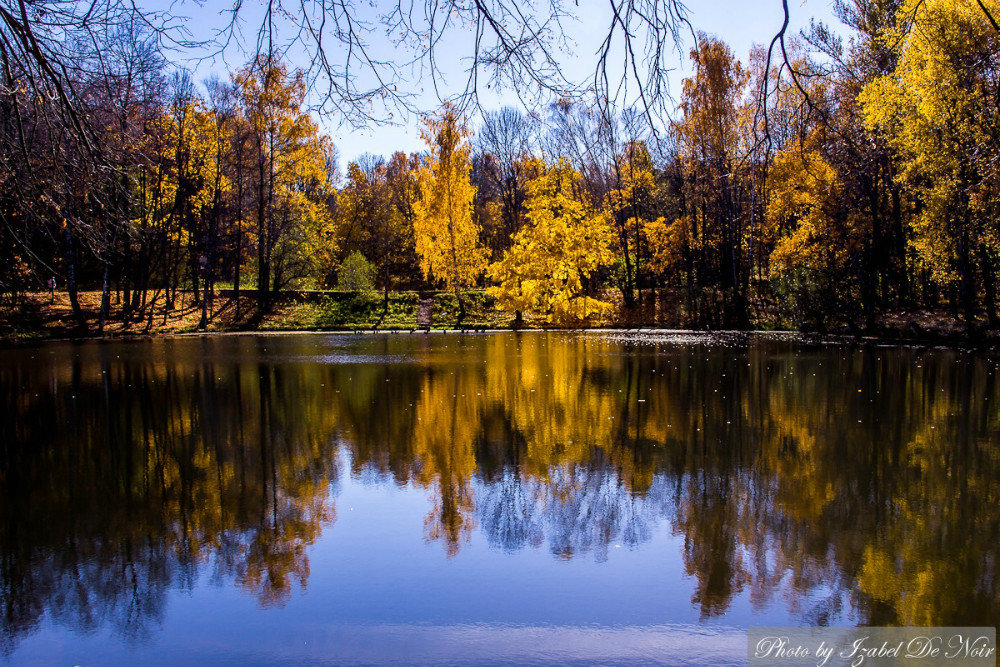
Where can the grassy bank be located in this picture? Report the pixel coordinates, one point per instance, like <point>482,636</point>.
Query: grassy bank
<point>42,316</point>
<point>346,310</point>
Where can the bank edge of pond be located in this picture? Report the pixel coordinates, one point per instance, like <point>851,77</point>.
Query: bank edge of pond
<point>979,340</point>
<point>45,317</point>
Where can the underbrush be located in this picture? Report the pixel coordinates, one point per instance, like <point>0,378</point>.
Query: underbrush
<point>346,310</point>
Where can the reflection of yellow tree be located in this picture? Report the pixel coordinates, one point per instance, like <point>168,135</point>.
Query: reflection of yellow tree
<point>568,398</point>
<point>545,385</point>
<point>782,470</point>
<point>884,482</point>
<point>448,421</point>
<point>708,515</point>
<point>924,556</point>
<point>276,558</point>
<point>777,486</point>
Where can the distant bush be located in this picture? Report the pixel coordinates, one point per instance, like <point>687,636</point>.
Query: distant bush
<point>356,274</point>
<point>15,280</point>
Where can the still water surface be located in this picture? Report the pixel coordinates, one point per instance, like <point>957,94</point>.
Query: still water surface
<point>527,498</point>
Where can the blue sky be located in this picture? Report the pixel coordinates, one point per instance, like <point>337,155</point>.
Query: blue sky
<point>740,23</point>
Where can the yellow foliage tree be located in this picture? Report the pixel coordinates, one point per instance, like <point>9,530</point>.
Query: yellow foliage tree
<point>294,229</point>
<point>446,237</point>
<point>564,241</point>
<point>713,142</point>
<point>631,203</point>
<point>938,112</point>
<point>670,244</point>
<point>371,220</point>
<point>815,237</point>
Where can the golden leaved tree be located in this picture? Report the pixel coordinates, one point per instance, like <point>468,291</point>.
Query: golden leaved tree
<point>179,186</point>
<point>938,111</point>
<point>447,240</point>
<point>671,245</point>
<point>816,237</point>
<point>294,232</point>
<point>712,142</point>
<point>564,241</point>
<point>373,219</point>
<point>632,202</point>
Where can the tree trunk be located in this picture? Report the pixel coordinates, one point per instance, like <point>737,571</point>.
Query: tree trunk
<point>966,283</point>
<point>385,296</point>
<point>989,284</point>
<point>461,307</point>
<point>105,299</point>
<point>237,263</point>
<point>627,289</point>
<point>203,322</point>
<point>71,286</point>
<point>263,268</point>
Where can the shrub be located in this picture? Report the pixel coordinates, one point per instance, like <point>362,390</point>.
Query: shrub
<point>356,274</point>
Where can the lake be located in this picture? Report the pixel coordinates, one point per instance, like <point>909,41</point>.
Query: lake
<point>486,498</point>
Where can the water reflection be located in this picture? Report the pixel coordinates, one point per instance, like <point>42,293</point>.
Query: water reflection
<point>847,485</point>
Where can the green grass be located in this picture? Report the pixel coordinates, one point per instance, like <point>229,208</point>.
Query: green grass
<point>480,310</point>
<point>360,310</point>
<point>346,310</point>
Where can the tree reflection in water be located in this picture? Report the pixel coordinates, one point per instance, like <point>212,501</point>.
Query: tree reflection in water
<point>834,479</point>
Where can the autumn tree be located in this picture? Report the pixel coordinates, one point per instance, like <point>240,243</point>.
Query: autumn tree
<point>673,251</point>
<point>290,168</point>
<point>863,159</point>
<point>713,133</point>
<point>447,241</point>
<point>820,237</point>
<point>633,204</point>
<point>563,243</point>
<point>401,179</point>
<point>195,146</point>
<point>370,219</point>
<point>938,111</point>
<point>812,239</point>
<point>504,145</point>
<point>220,102</point>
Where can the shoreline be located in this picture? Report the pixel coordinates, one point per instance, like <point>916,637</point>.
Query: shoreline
<point>980,340</point>
<point>49,318</point>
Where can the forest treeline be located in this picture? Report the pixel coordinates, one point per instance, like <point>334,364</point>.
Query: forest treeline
<point>849,177</point>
